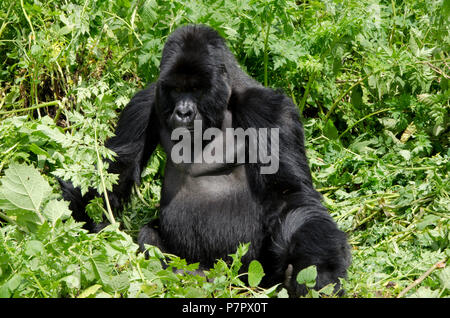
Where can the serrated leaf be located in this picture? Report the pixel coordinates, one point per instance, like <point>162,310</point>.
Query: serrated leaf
<point>73,280</point>
<point>119,282</point>
<point>444,277</point>
<point>424,292</point>
<point>55,210</point>
<point>255,273</point>
<point>23,188</point>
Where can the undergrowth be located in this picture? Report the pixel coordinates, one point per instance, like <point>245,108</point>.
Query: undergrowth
<point>371,82</point>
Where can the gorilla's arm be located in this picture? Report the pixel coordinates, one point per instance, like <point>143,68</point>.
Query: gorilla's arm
<point>260,107</point>
<point>136,137</point>
<point>301,229</point>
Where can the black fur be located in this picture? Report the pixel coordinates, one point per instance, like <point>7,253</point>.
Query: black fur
<point>206,211</point>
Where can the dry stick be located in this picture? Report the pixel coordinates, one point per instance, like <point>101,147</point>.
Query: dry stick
<point>421,278</point>
<point>437,70</point>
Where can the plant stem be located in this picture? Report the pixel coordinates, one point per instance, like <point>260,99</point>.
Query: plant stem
<point>52,103</point>
<point>5,23</point>
<point>28,20</point>
<point>109,215</point>
<point>391,37</point>
<point>345,93</point>
<point>421,278</point>
<point>127,24</point>
<point>266,53</point>
<point>39,285</point>
<point>326,189</point>
<point>11,221</point>
<point>126,53</point>
<point>364,118</point>
<point>311,79</point>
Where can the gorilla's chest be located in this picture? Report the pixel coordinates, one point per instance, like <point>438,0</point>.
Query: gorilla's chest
<point>210,215</point>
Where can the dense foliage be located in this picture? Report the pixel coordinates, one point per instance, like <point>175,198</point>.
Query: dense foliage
<point>371,81</point>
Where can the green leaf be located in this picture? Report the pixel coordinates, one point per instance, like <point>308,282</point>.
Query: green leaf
<point>283,293</point>
<point>192,292</point>
<point>38,150</point>
<point>4,291</point>
<point>55,210</point>
<point>307,276</point>
<point>33,248</point>
<point>11,285</point>
<point>327,290</point>
<point>356,96</point>
<point>424,292</point>
<point>101,269</point>
<point>406,154</point>
<point>330,130</point>
<point>255,273</point>
<point>119,282</point>
<point>444,277</point>
<point>427,220</point>
<point>72,281</point>
<point>90,291</point>
<point>23,188</point>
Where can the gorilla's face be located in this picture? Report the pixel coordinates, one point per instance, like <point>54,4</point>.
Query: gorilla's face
<point>192,85</point>
<point>181,94</point>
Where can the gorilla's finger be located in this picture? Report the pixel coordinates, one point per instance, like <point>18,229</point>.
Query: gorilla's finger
<point>288,276</point>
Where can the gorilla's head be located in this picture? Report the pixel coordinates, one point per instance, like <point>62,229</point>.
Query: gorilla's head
<point>193,83</point>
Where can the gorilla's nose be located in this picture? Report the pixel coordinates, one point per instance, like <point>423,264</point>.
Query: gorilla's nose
<point>184,113</point>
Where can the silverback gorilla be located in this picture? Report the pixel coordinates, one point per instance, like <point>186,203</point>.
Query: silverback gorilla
<point>207,209</point>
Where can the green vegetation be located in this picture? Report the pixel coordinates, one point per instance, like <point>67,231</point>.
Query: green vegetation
<point>371,81</point>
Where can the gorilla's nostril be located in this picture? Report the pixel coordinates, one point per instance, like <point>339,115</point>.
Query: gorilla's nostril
<point>184,113</point>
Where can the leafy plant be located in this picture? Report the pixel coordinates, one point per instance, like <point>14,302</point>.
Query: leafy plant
<point>371,82</point>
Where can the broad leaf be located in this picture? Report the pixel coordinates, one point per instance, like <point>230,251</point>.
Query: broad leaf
<point>307,276</point>
<point>23,188</point>
<point>255,273</point>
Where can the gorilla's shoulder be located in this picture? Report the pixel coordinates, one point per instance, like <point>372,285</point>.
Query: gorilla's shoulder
<point>266,106</point>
